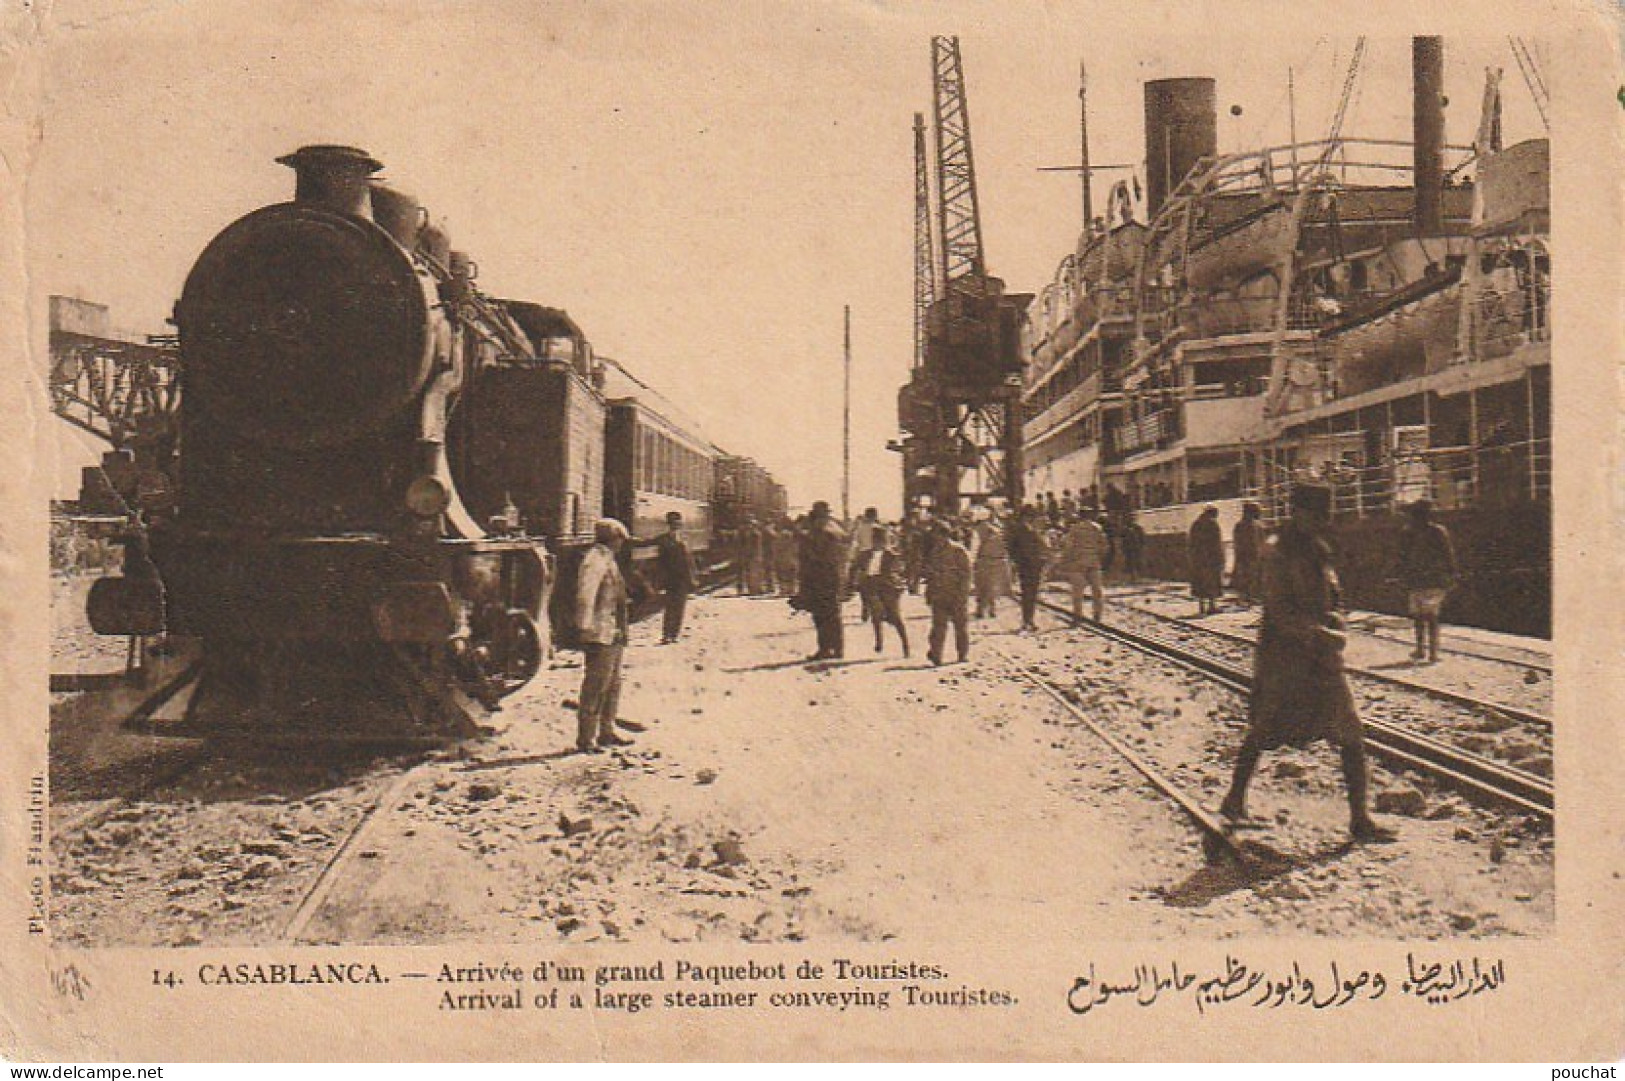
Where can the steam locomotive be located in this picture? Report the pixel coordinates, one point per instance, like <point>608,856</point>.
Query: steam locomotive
<point>375,458</point>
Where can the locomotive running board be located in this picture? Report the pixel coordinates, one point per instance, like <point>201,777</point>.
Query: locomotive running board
<point>397,704</point>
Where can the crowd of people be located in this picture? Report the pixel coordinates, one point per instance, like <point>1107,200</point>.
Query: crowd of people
<point>1301,693</point>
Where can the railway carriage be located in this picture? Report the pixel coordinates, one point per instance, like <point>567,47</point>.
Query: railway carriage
<point>656,462</point>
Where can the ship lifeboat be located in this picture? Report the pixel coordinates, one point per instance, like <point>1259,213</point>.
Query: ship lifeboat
<point>1241,248</point>
<point>1410,334</point>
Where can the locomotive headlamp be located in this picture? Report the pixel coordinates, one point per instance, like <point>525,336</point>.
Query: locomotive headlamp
<point>427,497</point>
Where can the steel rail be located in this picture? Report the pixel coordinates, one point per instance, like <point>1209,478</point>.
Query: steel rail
<point>1214,832</point>
<point>391,791</point>
<point>1481,776</point>
<point>1535,720</point>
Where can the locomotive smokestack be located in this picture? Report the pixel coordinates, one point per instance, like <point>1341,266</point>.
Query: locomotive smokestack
<point>334,178</point>
<point>1427,132</point>
<point>1181,127</point>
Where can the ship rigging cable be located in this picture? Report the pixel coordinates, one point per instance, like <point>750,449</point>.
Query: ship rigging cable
<point>1531,78</point>
<point>1343,104</point>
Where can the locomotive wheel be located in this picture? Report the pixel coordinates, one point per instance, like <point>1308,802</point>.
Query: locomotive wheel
<point>524,647</point>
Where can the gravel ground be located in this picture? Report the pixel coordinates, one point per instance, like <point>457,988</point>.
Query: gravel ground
<point>1456,869</point>
<point>770,800</point>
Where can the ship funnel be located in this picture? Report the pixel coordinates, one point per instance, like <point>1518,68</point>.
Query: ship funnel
<point>1181,128</point>
<point>333,178</point>
<point>1427,133</point>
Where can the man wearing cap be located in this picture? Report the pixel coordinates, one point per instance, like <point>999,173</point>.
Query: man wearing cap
<point>677,576</point>
<point>1427,570</point>
<point>1300,693</point>
<point>601,615</point>
<point>823,577</point>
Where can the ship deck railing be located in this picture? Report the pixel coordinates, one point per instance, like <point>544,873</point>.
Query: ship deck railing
<point>1453,478</point>
<point>1287,167</point>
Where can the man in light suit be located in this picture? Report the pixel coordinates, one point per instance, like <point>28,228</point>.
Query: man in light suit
<point>602,618</point>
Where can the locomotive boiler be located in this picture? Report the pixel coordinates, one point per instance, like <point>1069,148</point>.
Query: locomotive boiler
<point>320,550</point>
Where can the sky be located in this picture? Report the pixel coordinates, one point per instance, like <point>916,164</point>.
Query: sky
<point>703,186</point>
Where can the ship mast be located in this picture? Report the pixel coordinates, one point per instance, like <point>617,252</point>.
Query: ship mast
<point>1083,149</point>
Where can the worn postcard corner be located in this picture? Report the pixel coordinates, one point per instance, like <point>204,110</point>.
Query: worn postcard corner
<point>825,531</point>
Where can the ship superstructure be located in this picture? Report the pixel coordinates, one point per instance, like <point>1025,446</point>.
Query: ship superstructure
<point>1369,313</point>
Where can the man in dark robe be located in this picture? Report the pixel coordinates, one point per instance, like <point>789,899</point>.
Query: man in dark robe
<point>1300,692</point>
<point>1206,555</point>
<point>1247,539</point>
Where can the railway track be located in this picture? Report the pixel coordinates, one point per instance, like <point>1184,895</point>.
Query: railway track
<point>1528,658</point>
<point>1523,716</point>
<point>1470,773</point>
<point>390,793</point>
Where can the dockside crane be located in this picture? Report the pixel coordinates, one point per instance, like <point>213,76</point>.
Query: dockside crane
<point>962,405</point>
<point>916,401</point>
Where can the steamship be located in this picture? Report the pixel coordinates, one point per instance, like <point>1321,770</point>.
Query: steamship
<point>1369,314</point>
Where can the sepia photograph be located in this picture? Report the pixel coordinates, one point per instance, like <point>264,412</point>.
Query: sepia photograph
<point>675,492</point>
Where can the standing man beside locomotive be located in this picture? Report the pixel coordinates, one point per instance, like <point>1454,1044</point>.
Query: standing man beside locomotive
<point>602,619</point>
<point>1300,692</point>
<point>823,579</point>
<point>677,576</point>
<point>141,574</point>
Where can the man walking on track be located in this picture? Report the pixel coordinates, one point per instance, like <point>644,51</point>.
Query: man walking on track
<point>823,576</point>
<point>601,617</point>
<point>947,591</point>
<point>1300,692</point>
<point>1083,553</point>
